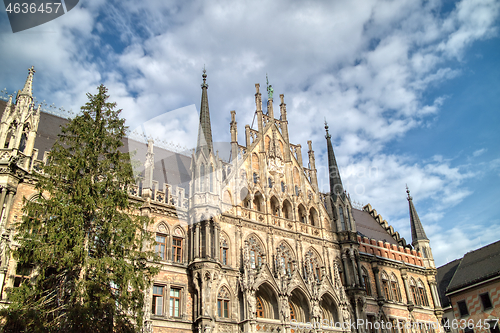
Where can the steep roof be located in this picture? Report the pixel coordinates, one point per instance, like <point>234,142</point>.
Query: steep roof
<point>367,226</point>
<point>443,278</point>
<point>417,230</point>
<point>170,167</point>
<point>477,266</point>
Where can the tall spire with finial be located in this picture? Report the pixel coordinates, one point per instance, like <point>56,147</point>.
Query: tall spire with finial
<point>205,131</point>
<point>336,187</point>
<point>417,230</point>
<point>28,86</point>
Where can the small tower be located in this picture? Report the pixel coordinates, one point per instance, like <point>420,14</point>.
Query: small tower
<point>20,121</point>
<point>204,211</point>
<point>419,240</point>
<point>336,187</point>
<point>340,211</point>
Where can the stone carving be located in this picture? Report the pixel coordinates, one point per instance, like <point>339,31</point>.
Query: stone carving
<point>316,310</point>
<point>284,308</point>
<point>252,304</point>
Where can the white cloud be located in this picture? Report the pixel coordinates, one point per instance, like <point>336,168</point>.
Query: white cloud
<point>479,152</point>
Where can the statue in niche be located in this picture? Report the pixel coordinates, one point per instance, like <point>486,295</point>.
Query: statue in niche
<point>316,310</point>
<point>252,304</point>
<point>285,308</point>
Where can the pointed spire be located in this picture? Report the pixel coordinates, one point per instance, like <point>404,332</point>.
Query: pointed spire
<point>336,187</point>
<point>417,230</point>
<point>28,86</point>
<point>205,131</point>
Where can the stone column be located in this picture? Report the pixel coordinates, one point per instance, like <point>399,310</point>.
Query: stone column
<point>2,199</point>
<point>10,197</point>
<point>360,272</point>
<point>404,276</point>
<point>208,246</point>
<point>434,293</point>
<point>347,274</point>
<point>217,241</point>
<point>197,240</point>
<point>355,273</point>
<point>377,280</point>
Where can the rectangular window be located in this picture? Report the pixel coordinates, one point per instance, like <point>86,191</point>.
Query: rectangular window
<point>468,330</point>
<point>177,249</point>
<point>222,308</point>
<point>175,301</point>
<point>395,291</point>
<point>414,294</point>
<point>462,307</point>
<point>385,286</point>
<point>485,299</point>
<point>223,255</point>
<point>161,245</point>
<point>157,308</point>
<point>23,273</point>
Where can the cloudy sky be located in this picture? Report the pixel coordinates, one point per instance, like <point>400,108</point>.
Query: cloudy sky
<point>410,89</point>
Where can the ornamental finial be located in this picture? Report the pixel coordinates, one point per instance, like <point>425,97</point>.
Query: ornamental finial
<point>328,136</point>
<point>408,191</point>
<point>204,77</point>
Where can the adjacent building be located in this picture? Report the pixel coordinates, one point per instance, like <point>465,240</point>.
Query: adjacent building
<point>248,244</point>
<point>469,289</point>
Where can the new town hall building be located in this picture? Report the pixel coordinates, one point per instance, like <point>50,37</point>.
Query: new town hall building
<point>245,245</point>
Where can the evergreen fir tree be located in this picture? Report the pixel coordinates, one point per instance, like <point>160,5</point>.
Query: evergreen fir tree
<point>85,242</point>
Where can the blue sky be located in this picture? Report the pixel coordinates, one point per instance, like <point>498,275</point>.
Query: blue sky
<point>410,89</point>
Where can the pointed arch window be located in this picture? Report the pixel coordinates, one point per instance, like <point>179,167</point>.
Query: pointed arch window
<point>341,217</point>
<point>256,253</point>
<point>260,308</point>
<point>422,294</point>
<point>224,250</point>
<point>385,286</point>
<point>395,288</point>
<point>10,135</point>
<point>413,288</point>
<point>285,259</point>
<point>302,214</point>
<point>313,217</point>
<point>366,281</point>
<point>287,210</point>
<point>314,264</point>
<point>275,207</point>
<point>223,303</point>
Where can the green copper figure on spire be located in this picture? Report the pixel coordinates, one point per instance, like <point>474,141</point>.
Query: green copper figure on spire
<point>270,89</point>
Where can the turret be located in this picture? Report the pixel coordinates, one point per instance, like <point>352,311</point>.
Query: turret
<point>205,131</point>
<point>284,128</point>
<point>336,187</point>
<point>419,239</point>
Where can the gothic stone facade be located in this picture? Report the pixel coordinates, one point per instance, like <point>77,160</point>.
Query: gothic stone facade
<point>246,245</point>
